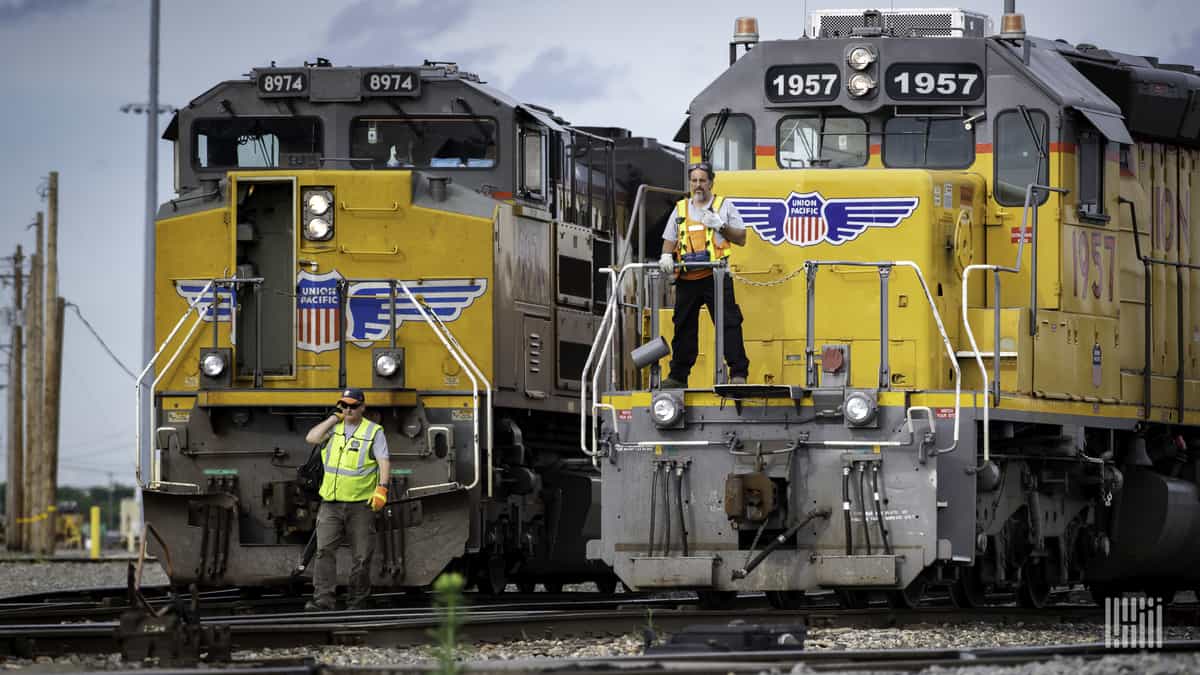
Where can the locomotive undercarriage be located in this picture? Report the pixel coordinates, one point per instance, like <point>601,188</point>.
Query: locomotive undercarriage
<point>234,505</point>
<point>768,504</point>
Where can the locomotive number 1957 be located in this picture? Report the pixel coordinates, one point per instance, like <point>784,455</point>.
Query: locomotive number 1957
<point>1094,255</point>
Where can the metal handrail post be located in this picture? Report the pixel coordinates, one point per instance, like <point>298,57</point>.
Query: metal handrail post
<point>885,371</point>
<point>996,334</point>
<point>653,277</point>
<point>719,370</point>
<point>217,313</point>
<point>810,311</point>
<point>258,333</point>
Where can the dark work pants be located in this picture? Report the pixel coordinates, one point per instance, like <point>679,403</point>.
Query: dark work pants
<point>689,296</point>
<point>335,521</point>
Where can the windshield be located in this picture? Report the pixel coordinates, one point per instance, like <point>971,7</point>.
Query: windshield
<point>927,142</point>
<point>825,142</point>
<point>425,142</point>
<point>252,142</point>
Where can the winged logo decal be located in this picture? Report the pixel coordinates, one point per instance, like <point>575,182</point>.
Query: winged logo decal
<point>808,219</point>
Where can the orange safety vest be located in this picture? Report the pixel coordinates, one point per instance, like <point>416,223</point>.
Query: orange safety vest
<point>694,237</point>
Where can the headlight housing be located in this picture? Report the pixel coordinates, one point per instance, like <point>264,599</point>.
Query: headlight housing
<point>213,364</point>
<point>316,206</point>
<point>385,364</point>
<point>859,409</point>
<point>860,84</point>
<point>667,409</point>
<point>318,229</point>
<point>860,58</point>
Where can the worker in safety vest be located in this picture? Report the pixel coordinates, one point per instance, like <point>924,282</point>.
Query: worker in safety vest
<point>355,455</point>
<point>702,229</point>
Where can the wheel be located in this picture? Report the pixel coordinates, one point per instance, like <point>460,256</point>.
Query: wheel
<point>910,596</point>
<point>1101,591</point>
<point>553,587</point>
<point>717,599</point>
<point>492,576</point>
<point>787,599</point>
<point>606,586</point>
<point>968,591</point>
<point>527,586</point>
<point>1034,591</point>
<point>851,599</point>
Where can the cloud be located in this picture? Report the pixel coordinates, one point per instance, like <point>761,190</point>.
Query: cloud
<point>553,77</point>
<point>1187,50</point>
<point>371,32</point>
<point>12,11</point>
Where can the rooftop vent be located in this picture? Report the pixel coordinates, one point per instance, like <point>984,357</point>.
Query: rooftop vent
<point>899,23</point>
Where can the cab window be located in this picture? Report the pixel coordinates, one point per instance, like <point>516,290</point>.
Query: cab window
<point>252,142</point>
<point>1091,174</point>
<point>424,143</point>
<point>822,142</point>
<point>727,141</point>
<point>1017,156</point>
<point>927,142</point>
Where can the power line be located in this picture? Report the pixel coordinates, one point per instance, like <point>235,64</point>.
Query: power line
<point>100,340</point>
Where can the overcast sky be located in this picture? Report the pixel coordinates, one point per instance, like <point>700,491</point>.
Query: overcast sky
<point>71,64</point>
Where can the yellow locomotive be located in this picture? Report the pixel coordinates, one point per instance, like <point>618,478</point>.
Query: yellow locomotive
<point>970,313</point>
<point>412,232</point>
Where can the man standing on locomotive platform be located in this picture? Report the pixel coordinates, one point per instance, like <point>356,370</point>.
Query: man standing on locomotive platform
<point>702,229</point>
<point>355,455</point>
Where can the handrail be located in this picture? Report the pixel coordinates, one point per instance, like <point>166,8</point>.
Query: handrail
<point>996,270</point>
<point>213,308</point>
<point>137,386</point>
<point>474,391</point>
<point>487,389</point>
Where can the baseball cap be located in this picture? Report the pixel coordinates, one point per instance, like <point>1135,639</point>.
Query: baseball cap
<point>353,396</point>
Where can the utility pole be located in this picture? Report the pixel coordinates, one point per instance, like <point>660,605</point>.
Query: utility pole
<point>34,456</point>
<point>151,211</point>
<point>53,372</point>
<point>16,410</point>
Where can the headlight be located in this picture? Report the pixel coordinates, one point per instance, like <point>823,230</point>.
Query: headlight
<point>666,409</point>
<point>318,204</point>
<point>212,365</point>
<point>858,408</point>
<point>860,84</point>
<point>318,229</point>
<point>860,57</point>
<point>385,365</point>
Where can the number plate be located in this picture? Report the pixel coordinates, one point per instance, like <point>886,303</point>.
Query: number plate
<point>802,83</point>
<point>391,83</point>
<point>282,83</point>
<point>934,81</point>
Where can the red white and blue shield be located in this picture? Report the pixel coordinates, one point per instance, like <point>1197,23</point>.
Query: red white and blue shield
<point>317,311</point>
<point>803,225</point>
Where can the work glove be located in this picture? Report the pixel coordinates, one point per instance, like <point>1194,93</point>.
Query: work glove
<point>379,498</point>
<point>666,263</point>
<point>712,221</point>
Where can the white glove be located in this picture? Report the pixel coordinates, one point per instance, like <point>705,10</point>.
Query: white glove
<point>666,263</point>
<point>712,221</point>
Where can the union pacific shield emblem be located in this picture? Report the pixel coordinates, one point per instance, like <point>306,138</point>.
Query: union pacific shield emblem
<point>317,311</point>
<point>808,219</point>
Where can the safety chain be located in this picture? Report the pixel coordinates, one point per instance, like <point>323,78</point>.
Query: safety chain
<point>763,284</point>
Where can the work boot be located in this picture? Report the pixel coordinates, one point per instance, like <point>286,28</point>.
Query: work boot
<point>314,606</point>
<point>672,383</point>
<point>737,379</point>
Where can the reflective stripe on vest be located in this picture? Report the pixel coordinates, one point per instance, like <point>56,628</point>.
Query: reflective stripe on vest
<point>350,466</point>
<point>694,236</point>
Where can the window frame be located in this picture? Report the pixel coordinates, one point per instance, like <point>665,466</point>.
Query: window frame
<point>996,145</point>
<point>959,120</point>
<point>541,192</point>
<point>753,140</point>
<point>1099,215</point>
<point>821,116</point>
<point>415,117</point>
<point>194,140</point>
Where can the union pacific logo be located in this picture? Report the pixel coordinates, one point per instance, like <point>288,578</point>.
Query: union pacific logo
<point>809,219</point>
